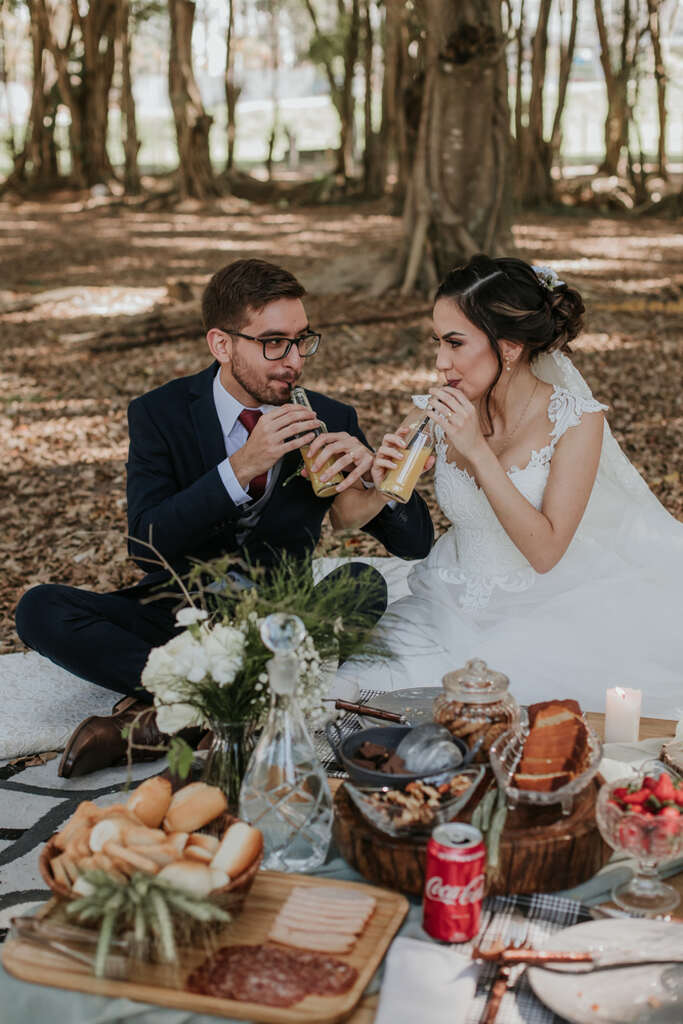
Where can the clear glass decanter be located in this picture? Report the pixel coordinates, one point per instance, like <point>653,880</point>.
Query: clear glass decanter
<point>285,791</point>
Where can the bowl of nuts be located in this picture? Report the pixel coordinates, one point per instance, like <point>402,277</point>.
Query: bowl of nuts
<point>419,806</point>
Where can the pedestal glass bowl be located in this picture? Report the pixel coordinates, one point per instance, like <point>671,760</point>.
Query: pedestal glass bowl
<point>650,839</point>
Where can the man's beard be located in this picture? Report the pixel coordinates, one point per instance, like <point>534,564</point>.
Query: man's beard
<point>265,392</point>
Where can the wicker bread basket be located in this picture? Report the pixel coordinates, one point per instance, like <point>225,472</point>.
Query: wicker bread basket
<point>229,897</point>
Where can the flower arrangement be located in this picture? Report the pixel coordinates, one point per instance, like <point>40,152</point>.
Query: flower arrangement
<point>214,671</point>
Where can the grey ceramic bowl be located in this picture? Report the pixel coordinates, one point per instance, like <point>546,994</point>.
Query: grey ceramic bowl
<point>388,736</point>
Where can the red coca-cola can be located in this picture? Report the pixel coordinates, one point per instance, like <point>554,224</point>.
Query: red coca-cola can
<point>454,882</point>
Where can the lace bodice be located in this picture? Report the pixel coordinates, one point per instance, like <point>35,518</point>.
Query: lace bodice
<point>477,552</point>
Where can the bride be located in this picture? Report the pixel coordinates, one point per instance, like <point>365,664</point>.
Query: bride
<point>560,569</point>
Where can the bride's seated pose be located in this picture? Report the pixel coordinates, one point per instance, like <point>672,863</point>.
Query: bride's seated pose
<point>560,569</point>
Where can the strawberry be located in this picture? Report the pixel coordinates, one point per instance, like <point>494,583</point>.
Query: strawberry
<point>664,790</point>
<point>649,781</point>
<point>678,797</point>
<point>619,793</point>
<point>639,797</point>
<point>671,822</point>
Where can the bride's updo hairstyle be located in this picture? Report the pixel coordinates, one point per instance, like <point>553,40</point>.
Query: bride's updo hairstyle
<point>505,298</point>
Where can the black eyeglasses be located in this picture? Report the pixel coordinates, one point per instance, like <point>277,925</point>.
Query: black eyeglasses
<point>278,348</point>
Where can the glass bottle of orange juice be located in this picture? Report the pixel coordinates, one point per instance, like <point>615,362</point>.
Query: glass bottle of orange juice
<point>321,489</point>
<point>400,481</point>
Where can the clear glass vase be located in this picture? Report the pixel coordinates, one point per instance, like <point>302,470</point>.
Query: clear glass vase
<point>231,747</point>
<point>285,791</point>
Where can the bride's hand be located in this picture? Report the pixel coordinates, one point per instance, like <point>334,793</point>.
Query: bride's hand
<point>389,453</point>
<point>458,419</point>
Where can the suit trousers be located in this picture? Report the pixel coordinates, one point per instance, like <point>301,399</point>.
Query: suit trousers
<point>106,638</point>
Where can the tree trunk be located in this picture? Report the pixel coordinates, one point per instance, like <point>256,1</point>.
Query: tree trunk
<point>535,180</point>
<point>566,59</point>
<point>458,200</point>
<point>36,164</point>
<point>346,100</point>
<point>232,91</point>
<point>275,83</point>
<point>392,147</point>
<point>519,52</point>
<point>653,7</point>
<point>192,123</point>
<point>131,143</point>
<point>86,94</point>
<point>616,84</point>
<point>341,95</point>
<point>374,166</point>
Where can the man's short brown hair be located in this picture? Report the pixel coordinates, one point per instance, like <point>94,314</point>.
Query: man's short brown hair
<point>242,286</point>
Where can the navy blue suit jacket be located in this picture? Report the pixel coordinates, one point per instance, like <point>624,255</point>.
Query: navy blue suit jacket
<point>174,488</point>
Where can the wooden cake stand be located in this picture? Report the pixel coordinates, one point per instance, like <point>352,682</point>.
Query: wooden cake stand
<point>540,850</point>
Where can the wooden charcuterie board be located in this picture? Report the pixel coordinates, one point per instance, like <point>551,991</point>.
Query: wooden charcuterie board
<point>150,983</point>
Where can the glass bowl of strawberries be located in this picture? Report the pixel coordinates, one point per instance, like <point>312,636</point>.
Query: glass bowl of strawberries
<point>643,816</point>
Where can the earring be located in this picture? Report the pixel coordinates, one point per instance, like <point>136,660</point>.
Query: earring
<point>508,367</point>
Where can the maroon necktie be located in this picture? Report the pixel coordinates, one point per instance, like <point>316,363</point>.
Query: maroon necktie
<point>256,487</point>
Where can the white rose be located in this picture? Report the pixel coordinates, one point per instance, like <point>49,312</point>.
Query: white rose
<point>159,674</point>
<point>189,657</point>
<point>224,649</point>
<point>171,718</point>
<point>188,616</point>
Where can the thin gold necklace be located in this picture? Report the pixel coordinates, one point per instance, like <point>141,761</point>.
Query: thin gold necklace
<point>511,433</point>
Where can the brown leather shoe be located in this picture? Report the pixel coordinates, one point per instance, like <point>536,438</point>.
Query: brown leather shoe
<point>97,742</point>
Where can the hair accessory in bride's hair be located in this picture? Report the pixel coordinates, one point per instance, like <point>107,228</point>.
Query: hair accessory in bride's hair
<point>547,277</point>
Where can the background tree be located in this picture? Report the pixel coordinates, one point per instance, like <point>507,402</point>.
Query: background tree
<point>35,163</point>
<point>537,154</point>
<point>131,143</point>
<point>458,197</point>
<point>342,41</point>
<point>654,29</point>
<point>232,90</point>
<point>81,39</point>
<point>192,123</point>
<point>619,65</point>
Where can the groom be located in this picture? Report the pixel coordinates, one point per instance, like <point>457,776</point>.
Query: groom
<point>209,459</point>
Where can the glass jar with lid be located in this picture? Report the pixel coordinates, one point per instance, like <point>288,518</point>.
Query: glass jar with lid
<point>476,705</point>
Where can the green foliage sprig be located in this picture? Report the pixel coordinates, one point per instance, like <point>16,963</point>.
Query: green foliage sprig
<point>155,911</point>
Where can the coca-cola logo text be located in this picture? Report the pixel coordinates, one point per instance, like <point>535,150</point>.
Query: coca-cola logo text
<point>437,889</point>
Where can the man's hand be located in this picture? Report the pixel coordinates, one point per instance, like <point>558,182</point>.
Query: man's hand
<point>346,452</point>
<point>277,432</point>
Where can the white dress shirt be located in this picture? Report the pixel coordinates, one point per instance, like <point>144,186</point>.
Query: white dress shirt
<point>235,435</point>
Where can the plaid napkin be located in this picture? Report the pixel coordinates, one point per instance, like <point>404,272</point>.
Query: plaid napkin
<point>546,915</point>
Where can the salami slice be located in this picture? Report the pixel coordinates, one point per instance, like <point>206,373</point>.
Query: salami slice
<point>270,975</point>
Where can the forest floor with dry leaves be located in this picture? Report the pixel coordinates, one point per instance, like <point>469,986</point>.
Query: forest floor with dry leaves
<point>63,406</point>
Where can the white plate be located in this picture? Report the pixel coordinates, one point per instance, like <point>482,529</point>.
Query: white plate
<point>619,994</point>
<point>415,703</point>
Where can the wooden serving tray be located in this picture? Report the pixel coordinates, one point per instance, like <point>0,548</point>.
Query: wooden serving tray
<point>270,890</point>
<point>540,850</point>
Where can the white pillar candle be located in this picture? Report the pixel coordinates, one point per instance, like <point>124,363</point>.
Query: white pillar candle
<point>622,715</point>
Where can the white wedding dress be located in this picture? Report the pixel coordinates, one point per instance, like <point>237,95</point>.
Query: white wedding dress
<point>608,614</point>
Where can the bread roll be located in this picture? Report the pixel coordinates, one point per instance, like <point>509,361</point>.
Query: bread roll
<point>209,843</point>
<point>103,832</point>
<point>120,854</point>
<point>140,835</point>
<point>239,847</point>
<point>198,853</point>
<point>151,800</point>
<point>194,806</point>
<point>194,878</point>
